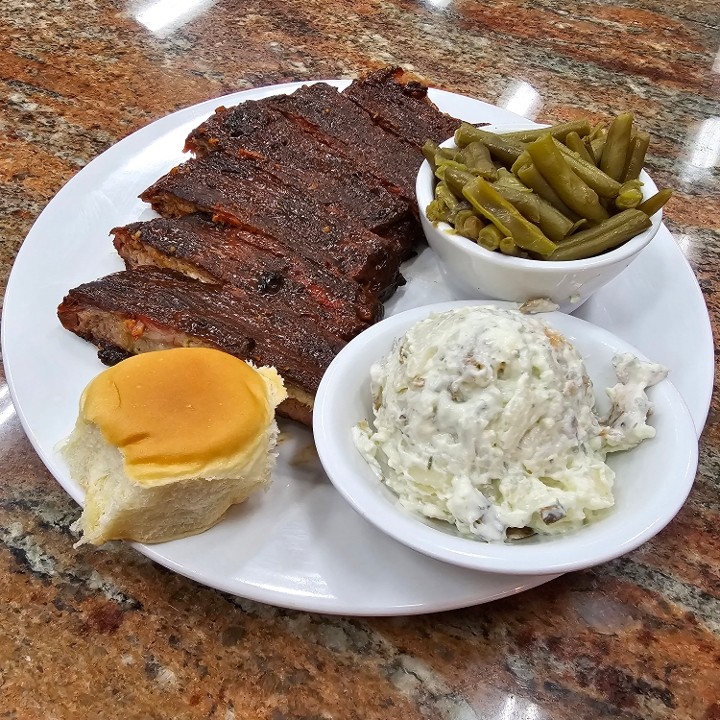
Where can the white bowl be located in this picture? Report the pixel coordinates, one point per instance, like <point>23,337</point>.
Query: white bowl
<point>481,273</point>
<point>652,480</point>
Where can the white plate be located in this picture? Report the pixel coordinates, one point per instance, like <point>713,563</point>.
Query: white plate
<point>300,545</point>
<point>651,484</point>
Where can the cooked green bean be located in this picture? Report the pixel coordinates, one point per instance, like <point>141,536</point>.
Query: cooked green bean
<point>429,149</point>
<point>489,237</point>
<point>489,203</point>
<point>471,227</point>
<point>524,199</point>
<point>526,202</point>
<point>534,207</point>
<point>523,160</point>
<point>655,202</point>
<point>552,222</point>
<point>442,162</point>
<point>598,130</point>
<point>559,131</point>
<point>509,247</point>
<point>601,183</point>
<point>597,145</point>
<point>506,151</point>
<point>509,179</point>
<point>573,191</point>
<point>437,211</point>
<point>444,194</point>
<point>477,158</point>
<point>436,155</point>
<point>446,205</point>
<point>605,236</point>
<point>531,176</point>
<point>630,195</point>
<point>636,155</point>
<point>617,145</point>
<point>467,223</point>
<point>577,145</point>
<point>463,215</point>
<point>456,179</point>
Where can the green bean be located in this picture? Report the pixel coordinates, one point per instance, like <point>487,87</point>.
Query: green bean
<point>597,145</point>
<point>616,147</point>
<point>489,203</point>
<point>437,211</point>
<point>471,227</point>
<point>509,179</point>
<point>559,131</point>
<point>607,235</point>
<point>477,158</point>
<point>525,202</point>
<point>523,160</point>
<point>444,194</point>
<point>531,176</point>
<point>598,130</point>
<point>535,208</point>
<point>462,205</point>
<point>575,193</point>
<point>524,199</point>
<point>630,195</point>
<point>636,155</point>
<point>463,215</point>
<point>576,144</point>
<point>446,205</point>
<point>506,151</point>
<point>467,223</point>
<point>508,247</point>
<point>429,149</point>
<point>436,155</point>
<point>560,193</point>
<point>447,155</point>
<point>601,183</point>
<point>552,222</point>
<point>456,179</point>
<point>442,162</point>
<point>655,202</point>
<point>489,237</point>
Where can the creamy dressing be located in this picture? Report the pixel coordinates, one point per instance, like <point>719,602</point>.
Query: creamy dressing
<point>485,418</point>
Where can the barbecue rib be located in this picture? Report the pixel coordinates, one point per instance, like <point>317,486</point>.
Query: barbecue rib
<point>349,131</point>
<point>153,309</point>
<point>401,108</point>
<point>251,129</point>
<point>246,195</point>
<point>255,263</point>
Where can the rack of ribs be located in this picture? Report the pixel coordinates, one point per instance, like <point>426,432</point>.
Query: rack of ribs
<point>280,239</point>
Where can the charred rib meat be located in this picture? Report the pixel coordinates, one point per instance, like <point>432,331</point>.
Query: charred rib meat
<point>152,309</point>
<point>258,264</point>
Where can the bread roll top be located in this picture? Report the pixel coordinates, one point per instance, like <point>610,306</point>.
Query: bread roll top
<point>181,413</point>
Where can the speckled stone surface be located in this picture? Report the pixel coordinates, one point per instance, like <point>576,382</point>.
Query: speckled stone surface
<point>105,633</point>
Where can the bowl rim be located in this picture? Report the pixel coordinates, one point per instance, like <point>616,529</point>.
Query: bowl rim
<point>424,195</point>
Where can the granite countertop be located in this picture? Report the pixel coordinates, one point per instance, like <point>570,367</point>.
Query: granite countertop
<point>105,632</point>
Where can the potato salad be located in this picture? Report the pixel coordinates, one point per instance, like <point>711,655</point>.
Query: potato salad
<point>485,418</point>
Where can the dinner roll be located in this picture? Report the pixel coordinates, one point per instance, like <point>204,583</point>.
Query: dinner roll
<point>166,441</point>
